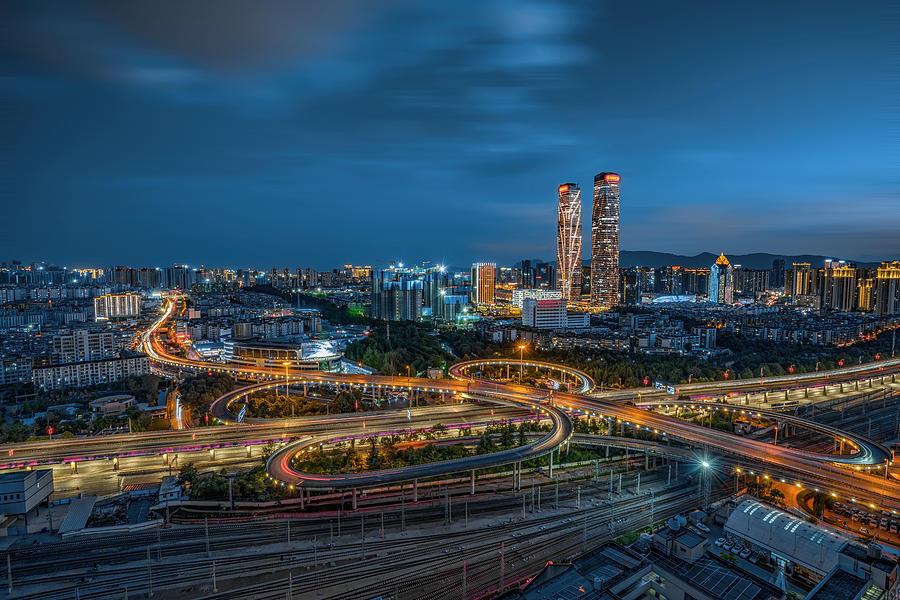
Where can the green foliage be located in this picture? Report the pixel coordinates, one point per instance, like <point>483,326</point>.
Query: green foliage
<point>198,392</point>
<point>410,344</point>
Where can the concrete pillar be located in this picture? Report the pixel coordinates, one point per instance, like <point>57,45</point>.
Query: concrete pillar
<point>472,482</point>
<point>646,463</point>
<point>354,499</point>
<point>619,488</point>
<point>786,394</point>
<point>551,464</point>
<point>415,490</point>
<point>639,482</point>
<point>249,451</point>
<point>806,392</point>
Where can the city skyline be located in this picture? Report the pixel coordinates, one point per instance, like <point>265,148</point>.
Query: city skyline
<point>127,123</point>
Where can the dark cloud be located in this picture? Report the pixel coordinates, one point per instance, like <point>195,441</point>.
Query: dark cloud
<point>286,132</point>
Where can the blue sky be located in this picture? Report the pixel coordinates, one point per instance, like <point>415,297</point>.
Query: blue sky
<point>290,133</point>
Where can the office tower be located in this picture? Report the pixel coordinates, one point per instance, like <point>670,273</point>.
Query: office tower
<point>887,288</point>
<point>544,276</point>
<point>116,306</point>
<point>776,278</point>
<point>484,277</point>
<point>527,274</point>
<point>568,243</point>
<point>605,241</point>
<point>800,280</point>
<point>721,281</point>
<point>629,286</point>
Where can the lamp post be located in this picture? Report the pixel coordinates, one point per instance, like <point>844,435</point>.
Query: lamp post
<point>521,362</point>
<point>287,389</point>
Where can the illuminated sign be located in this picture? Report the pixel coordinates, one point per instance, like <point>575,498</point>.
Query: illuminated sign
<point>563,189</point>
<point>611,177</point>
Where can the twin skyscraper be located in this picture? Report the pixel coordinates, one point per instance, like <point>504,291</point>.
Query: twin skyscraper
<point>604,277</point>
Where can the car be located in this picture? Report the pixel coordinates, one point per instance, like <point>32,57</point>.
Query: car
<point>720,542</point>
<point>745,554</point>
<point>702,527</point>
<point>726,546</point>
<point>863,530</point>
<point>754,558</point>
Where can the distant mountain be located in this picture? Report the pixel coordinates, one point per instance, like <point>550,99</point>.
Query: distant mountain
<point>757,260</point>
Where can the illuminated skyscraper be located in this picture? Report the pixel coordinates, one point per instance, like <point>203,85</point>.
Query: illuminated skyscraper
<point>568,243</point>
<point>721,281</point>
<point>605,241</point>
<point>484,277</point>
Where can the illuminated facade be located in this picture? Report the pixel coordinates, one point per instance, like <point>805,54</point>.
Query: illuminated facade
<point>568,243</point>
<point>605,241</point>
<point>117,306</point>
<point>887,292</point>
<point>484,278</point>
<point>397,294</point>
<point>721,281</point>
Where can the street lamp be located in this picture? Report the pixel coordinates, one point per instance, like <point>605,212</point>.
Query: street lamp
<point>521,361</point>
<point>287,389</point>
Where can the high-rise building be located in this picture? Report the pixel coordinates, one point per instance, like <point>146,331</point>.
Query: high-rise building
<point>484,277</point>
<point>396,294</point>
<point>568,243</point>
<point>721,281</point>
<point>887,290</point>
<point>544,276</point>
<point>776,278</point>
<point>117,306</point>
<point>839,291</point>
<point>436,283</point>
<point>605,241</point>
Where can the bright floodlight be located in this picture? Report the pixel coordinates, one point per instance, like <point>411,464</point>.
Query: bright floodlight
<point>705,464</point>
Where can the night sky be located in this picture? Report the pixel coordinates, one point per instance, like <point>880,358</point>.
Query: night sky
<point>285,133</point>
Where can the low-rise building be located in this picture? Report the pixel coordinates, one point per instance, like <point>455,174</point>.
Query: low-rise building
<point>22,491</point>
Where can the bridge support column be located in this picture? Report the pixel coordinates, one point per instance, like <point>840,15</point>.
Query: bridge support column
<point>74,466</point>
<point>646,464</point>
<point>619,487</point>
<point>676,469</point>
<point>857,385</point>
<point>472,483</point>
<point>747,400</point>
<point>842,388</point>
<point>765,396</point>
<point>806,392</point>
<point>639,482</point>
<point>249,451</point>
<point>669,480</point>
<point>786,393</point>
<point>596,470</point>
<point>354,499</point>
<point>551,464</point>
<point>415,490</point>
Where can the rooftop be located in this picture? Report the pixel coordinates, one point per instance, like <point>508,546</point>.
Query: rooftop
<point>843,585</point>
<point>791,537</point>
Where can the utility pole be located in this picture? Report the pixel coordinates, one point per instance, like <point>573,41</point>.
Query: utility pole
<point>9,574</point>
<point>502,566</point>
<point>206,533</point>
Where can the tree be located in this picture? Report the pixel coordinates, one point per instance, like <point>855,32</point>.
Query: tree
<point>187,474</point>
<point>820,503</point>
<point>373,461</point>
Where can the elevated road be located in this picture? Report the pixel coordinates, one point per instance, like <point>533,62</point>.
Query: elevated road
<point>461,369</point>
<point>614,405</point>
